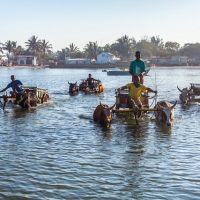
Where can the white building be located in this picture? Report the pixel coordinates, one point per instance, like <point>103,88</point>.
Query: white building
<point>75,61</point>
<point>26,60</point>
<point>106,58</point>
<point>179,60</point>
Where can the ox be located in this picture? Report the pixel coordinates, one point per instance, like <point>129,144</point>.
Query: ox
<point>103,114</point>
<point>73,88</point>
<point>186,95</point>
<point>165,112</point>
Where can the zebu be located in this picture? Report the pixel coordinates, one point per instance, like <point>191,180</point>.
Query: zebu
<point>103,114</point>
<point>185,95</point>
<point>189,95</point>
<point>165,112</point>
<point>73,88</point>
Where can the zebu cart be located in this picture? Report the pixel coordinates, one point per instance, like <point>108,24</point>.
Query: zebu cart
<point>123,104</point>
<point>31,97</point>
<point>96,89</point>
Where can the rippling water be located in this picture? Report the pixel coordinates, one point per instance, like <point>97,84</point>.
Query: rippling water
<point>57,152</point>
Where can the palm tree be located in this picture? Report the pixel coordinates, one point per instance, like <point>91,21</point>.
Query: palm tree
<point>44,47</point>
<point>92,50</point>
<point>124,47</point>
<point>1,47</point>
<point>72,50</point>
<point>10,47</point>
<point>33,45</point>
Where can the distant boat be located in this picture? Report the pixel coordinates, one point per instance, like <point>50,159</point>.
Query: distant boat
<point>118,73</point>
<point>123,72</point>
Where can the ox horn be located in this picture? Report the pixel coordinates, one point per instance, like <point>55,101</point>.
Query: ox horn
<point>76,82</point>
<point>110,108</point>
<point>174,105</point>
<point>68,82</point>
<point>179,89</point>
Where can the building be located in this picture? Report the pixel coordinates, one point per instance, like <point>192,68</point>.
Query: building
<point>26,60</point>
<point>77,61</point>
<point>170,61</point>
<point>106,58</point>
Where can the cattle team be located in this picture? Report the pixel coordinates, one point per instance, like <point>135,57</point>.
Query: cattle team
<point>103,113</point>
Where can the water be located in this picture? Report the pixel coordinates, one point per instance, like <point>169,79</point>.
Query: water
<point>57,152</point>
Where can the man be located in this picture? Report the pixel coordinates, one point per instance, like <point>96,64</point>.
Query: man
<point>91,81</point>
<point>137,67</point>
<point>15,85</point>
<point>135,92</point>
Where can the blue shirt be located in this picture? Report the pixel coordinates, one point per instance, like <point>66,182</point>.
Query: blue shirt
<point>15,85</point>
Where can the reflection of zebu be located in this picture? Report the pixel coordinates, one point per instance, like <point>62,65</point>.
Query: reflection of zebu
<point>31,97</point>
<point>96,88</point>
<point>190,94</point>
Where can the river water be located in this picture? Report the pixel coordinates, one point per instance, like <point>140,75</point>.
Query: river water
<point>56,151</point>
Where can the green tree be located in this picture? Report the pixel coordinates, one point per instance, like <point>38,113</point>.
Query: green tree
<point>124,47</point>
<point>72,51</point>
<point>33,45</point>
<point>171,48</point>
<point>45,48</point>
<point>191,50</point>
<point>10,47</point>
<point>92,50</point>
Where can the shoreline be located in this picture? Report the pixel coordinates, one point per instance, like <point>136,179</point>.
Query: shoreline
<point>93,67</point>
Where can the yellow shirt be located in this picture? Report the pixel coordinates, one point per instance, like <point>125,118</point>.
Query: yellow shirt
<point>136,92</point>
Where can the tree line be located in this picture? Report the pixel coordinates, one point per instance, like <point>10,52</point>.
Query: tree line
<point>124,48</point>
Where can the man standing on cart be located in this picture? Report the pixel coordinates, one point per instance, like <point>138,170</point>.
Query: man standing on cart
<point>137,68</point>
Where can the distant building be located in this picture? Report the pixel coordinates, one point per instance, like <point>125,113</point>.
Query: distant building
<point>170,61</point>
<point>179,60</point>
<point>77,61</point>
<point>106,58</point>
<point>26,60</point>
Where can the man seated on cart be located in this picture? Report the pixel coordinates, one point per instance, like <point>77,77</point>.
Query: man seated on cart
<point>91,82</point>
<point>16,86</point>
<point>17,90</point>
<point>135,91</point>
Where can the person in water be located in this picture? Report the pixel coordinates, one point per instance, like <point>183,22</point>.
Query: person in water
<point>137,68</point>
<point>91,82</point>
<point>16,86</point>
<point>136,89</point>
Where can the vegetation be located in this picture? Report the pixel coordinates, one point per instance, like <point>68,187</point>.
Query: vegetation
<point>124,48</point>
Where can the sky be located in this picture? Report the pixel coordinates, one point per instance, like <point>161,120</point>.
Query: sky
<point>62,22</point>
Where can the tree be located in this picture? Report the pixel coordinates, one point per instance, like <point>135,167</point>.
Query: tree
<point>191,50</point>
<point>171,47</point>
<point>124,47</point>
<point>72,50</point>
<point>44,47</point>
<point>92,50</point>
<point>33,45</point>
<point>10,47</point>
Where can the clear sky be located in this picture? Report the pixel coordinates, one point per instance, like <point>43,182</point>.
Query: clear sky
<point>62,22</point>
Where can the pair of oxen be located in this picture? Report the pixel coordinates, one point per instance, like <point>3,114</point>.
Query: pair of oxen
<point>188,94</point>
<point>164,113</point>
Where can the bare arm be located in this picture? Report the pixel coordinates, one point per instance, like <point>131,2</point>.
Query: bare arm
<point>4,89</point>
<point>150,90</point>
